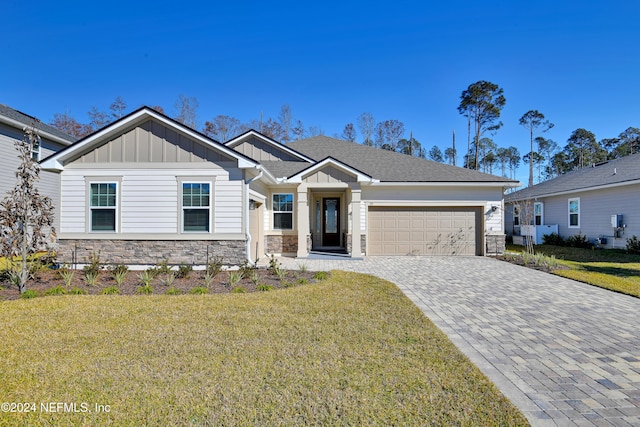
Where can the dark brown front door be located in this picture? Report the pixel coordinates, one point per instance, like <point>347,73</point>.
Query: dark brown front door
<point>331,221</point>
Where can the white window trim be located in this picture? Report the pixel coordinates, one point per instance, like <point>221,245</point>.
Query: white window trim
<point>541,213</point>
<point>569,212</point>
<point>37,151</point>
<point>181,208</point>
<point>292,212</point>
<point>106,180</point>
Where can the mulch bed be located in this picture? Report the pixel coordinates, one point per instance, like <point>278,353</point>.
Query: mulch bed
<point>48,279</point>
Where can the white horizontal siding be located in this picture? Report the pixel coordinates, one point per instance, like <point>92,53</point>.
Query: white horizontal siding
<point>149,199</point>
<point>228,206</point>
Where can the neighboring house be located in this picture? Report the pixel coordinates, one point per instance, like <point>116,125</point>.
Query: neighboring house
<point>12,125</point>
<point>601,202</point>
<point>147,188</point>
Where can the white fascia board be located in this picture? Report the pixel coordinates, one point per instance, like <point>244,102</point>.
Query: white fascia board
<point>252,133</point>
<point>57,161</point>
<point>447,184</point>
<point>578,190</point>
<point>43,134</point>
<point>360,177</point>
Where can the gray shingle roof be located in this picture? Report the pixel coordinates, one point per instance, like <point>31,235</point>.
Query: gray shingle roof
<point>283,169</point>
<point>386,165</point>
<point>624,169</point>
<point>28,120</point>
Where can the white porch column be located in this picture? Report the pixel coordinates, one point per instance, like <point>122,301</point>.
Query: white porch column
<point>356,250</point>
<point>302,217</point>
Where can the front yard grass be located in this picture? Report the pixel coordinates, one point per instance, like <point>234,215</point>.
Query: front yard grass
<point>350,350</point>
<point>612,269</point>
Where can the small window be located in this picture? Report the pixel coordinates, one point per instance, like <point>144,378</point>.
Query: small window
<point>103,206</point>
<point>196,206</point>
<point>574,213</point>
<point>516,215</point>
<point>538,211</point>
<point>35,151</point>
<point>283,211</point>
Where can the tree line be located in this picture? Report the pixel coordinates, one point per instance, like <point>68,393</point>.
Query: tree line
<point>481,103</point>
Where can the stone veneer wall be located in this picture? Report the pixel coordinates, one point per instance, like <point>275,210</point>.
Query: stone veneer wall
<point>152,252</point>
<point>496,244</point>
<point>285,244</point>
<point>363,243</point>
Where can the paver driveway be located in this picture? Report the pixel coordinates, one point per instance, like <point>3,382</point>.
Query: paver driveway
<point>565,353</point>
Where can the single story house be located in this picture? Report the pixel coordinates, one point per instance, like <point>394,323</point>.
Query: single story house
<point>147,188</point>
<point>12,125</point>
<point>601,202</point>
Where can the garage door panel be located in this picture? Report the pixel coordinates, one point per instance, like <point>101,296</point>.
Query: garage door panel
<point>422,231</point>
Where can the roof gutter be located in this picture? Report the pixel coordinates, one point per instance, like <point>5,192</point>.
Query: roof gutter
<point>575,190</point>
<point>49,136</point>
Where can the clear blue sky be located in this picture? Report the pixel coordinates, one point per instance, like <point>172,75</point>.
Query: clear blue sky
<point>577,62</point>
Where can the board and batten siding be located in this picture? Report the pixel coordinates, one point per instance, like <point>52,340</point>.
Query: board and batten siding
<point>263,151</point>
<point>149,199</point>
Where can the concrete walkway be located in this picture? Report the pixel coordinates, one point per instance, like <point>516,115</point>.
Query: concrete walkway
<point>565,353</point>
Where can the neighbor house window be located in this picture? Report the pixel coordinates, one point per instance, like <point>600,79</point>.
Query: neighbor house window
<point>35,151</point>
<point>516,215</point>
<point>538,213</point>
<point>574,213</point>
<point>196,206</point>
<point>283,211</point>
<point>103,206</point>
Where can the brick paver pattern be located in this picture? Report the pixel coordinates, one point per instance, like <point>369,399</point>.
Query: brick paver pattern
<point>564,352</point>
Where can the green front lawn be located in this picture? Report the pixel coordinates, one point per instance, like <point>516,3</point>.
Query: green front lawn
<point>613,269</point>
<point>351,350</point>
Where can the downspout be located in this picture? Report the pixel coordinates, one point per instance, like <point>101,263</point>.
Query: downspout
<point>246,206</point>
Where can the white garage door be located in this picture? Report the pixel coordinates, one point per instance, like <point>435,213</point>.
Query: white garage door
<point>423,231</point>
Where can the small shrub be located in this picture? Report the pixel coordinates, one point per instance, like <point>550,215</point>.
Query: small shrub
<point>320,275</point>
<point>144,290</point>
<point>56,290</point>
<point>579,241</point>
<point>184,270</point>
<point>66,274</point>
<point>164,267</point>
<point>265,288</point>
<point>111,290</point>
<point>146,277</point>
<point>119,276</point>
<point>94,263</point>
<point>234,278</point>
<point>153,272</point>
<point>78,291</point>
<point>254,277</point>
<point>553,239</point>
<point>208,279</point>
<point>302,267</point>
<point>119,269</point>
<point>173,291</point>
<point>302,281</point>
<point>215,266</point>
<point>633,245</point>
<point>281,273</point>
<point>238,290</point>
<point>91,277</point>
<point>288,285</point>
<point>28,294</point>
<point>246,268</point>
<point>274,264</point>
<point>199,290</point>
<point>169,278</point>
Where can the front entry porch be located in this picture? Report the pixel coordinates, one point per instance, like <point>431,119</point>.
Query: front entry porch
<point>326,220</point>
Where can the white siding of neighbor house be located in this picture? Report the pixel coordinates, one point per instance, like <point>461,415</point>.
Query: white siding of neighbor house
<point>596,208</point>
<point>48,184</point>
<point>149,199</point>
